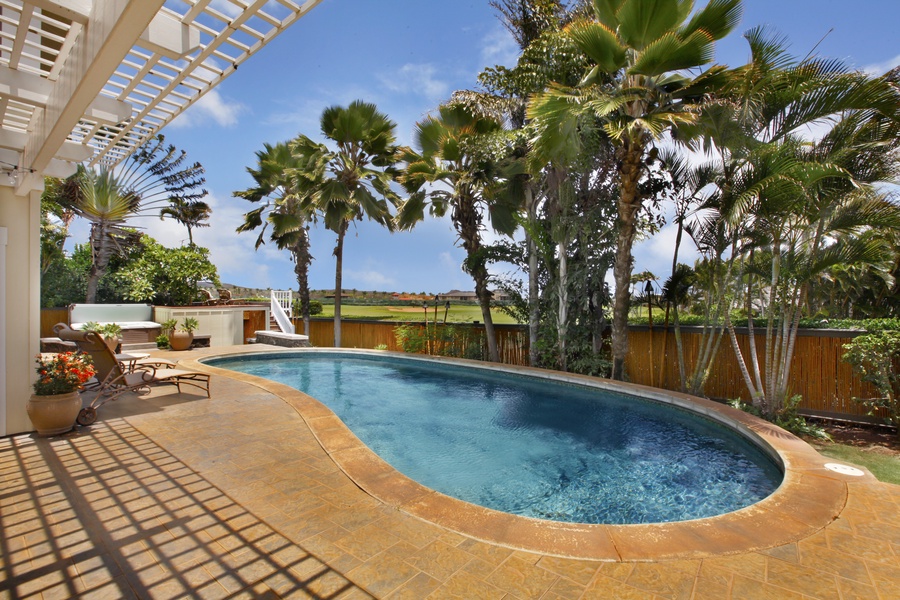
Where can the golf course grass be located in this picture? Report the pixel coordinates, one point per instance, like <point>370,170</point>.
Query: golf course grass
<point>456,314</point>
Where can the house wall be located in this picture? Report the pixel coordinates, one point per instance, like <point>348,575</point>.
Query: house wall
<point>19,306</point>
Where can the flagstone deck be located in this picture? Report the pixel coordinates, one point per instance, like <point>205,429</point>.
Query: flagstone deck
<point>172,495</point>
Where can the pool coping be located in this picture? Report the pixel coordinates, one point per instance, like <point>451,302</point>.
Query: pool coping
<point>810,496</point>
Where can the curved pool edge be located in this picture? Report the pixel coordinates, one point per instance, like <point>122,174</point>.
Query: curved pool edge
<point>809,497</point>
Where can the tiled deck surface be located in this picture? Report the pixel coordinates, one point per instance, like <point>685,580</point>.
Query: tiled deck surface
<point>170,496</point>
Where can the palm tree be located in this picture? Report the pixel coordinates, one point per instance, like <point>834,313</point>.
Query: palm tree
<point>546,55</point>
<point>107,204</point>
<point>110,196</point>
<point>190,213</point>
<point>352,180</point>
<point>785,209</point>
<point>286,213</point>
<point>651,45</point>
<point>451,173</point>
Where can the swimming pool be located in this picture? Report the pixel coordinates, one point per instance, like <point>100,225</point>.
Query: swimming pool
<point>530,447</point>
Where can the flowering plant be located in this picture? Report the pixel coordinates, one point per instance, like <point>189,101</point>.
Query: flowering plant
<point>62,373</point>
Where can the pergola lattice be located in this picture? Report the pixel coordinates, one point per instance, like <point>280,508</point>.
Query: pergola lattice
<point>90,80</point>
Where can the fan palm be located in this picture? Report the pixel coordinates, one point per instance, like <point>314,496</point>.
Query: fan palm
<point>350,181</point>
<point>110,196</point>
<point>107,204</point>
<point>451,172</point>
<point>651,44</point>
<point>288,216</point>
<point>190,213</point>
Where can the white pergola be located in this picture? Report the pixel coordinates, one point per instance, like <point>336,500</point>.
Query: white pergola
<point>88,81</point>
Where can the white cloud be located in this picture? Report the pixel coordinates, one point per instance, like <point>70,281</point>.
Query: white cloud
<point>882,67</point>
<point>303,118</point>
<point>371,279</point>
<point>418,79</point>
<point>234,254</point>
<point>448,261</point>
<point>212,107</point>
<point>500,48</point>
<point>226,7</point>
<point>655,253</point>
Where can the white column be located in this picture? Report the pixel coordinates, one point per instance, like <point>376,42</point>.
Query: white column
<point>3,378</point>
<point>21,311</point>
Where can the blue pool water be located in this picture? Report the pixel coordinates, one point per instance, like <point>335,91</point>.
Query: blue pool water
<point>529,446</point>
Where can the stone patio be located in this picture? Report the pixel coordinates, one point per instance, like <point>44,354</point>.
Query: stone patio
<point>173,495</point>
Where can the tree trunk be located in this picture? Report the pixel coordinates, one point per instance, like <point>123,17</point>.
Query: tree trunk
<point>562,315</point>
<point>680,357</point>
<point>100,256</point>
<point>484,299</point>
<point>467,220</point>
<point>302,260</point>
<point>534,308</point>
<point>629,204</point>
<point>338,276</point>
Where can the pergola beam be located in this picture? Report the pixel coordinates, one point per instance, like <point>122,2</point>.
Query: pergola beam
<point>114,25</point>
<point>36,90</point>
<point>168,36</point>
<point>77,11</point>
<point>70,151</point>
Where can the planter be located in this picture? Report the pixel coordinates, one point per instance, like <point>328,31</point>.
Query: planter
<point>52,415</point>
<point>180,340</point>
<point>112,342</point>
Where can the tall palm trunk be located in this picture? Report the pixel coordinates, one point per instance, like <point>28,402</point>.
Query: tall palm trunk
<point>338,276</point>
<point>673,303</point>
<point>534,308</point>
<point>101,253</point>
<point>629,204</point>
<point>468,223</point>
<point>562,290</point>
<point>302,260</point>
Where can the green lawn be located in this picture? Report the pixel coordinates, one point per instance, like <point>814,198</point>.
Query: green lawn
<point>886,467</point>
<point>457,314</point>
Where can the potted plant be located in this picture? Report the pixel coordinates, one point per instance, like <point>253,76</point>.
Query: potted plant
<point>108,331</point>
<point>182,338</point>
<point>166,328</point>
<point>56,401</point>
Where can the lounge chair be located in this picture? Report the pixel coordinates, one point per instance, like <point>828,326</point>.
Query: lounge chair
<point>113,378</point>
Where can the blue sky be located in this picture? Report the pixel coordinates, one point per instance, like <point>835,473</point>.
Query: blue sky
<point>407,56</point>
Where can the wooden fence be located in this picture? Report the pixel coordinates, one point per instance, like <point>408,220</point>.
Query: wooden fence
<point>825,382</point>
<point>50,317</point>
<point>512,340</point>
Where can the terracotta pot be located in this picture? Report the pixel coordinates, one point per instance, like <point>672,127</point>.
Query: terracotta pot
<point>112,342</point>
<point>55,414</point>
<point>180,340</point>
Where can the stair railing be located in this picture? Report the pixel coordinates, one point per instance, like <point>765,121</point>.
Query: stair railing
<point>276,306</point>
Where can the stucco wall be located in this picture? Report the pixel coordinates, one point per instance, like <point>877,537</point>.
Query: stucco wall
<point>21,304</point>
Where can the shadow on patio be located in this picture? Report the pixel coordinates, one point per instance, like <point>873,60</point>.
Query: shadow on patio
<point>109,512</point>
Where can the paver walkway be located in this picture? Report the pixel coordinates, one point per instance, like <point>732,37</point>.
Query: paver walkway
<point>172,496</point>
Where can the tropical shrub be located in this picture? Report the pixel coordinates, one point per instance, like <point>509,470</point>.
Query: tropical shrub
<point>443,340</point>
<point>162,342</point>
<point>787,418</point>
<point>167,276</point>
<point>876,358</point>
